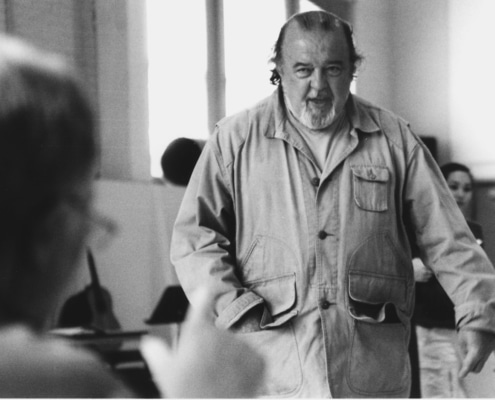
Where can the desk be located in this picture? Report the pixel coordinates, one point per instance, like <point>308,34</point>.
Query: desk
<point>120,351</point>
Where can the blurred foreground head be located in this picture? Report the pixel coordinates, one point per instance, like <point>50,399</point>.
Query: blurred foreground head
<point>47,157</point>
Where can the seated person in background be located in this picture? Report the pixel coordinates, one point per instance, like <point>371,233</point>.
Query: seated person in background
<point>48,154</point>
<point>179,159</point>
<point>434,312</point>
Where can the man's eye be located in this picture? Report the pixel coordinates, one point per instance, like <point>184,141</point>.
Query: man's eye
<point>303,72</point>
<point>334,70</point>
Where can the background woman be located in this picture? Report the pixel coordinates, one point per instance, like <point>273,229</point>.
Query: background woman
<point>434,312</point>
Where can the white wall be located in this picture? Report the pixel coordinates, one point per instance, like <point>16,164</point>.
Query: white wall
<point>123,89</point>
<point>472,84</point>
<point>406,45</point>
<point>430,62</point>
<point>374,41</point>
<point>135,265</point>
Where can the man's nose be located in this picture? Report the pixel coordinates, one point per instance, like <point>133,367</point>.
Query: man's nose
<point>319,80</point>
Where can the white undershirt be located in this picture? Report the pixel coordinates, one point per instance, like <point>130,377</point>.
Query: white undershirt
<point>324,143</point>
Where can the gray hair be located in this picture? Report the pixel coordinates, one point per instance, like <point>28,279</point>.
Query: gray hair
<point>313,20</point>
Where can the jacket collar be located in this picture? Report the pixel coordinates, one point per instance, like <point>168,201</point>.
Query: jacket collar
<point>359,114</point>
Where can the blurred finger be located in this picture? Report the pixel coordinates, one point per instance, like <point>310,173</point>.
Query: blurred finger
<point>479,366</point>
<point>473,362</point>
<point>201,307</point>
<point>469,363</point>
<point>159,359</point>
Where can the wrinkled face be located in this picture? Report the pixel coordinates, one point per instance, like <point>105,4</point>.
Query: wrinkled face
<point>462,188</point>
<point>316,74</point>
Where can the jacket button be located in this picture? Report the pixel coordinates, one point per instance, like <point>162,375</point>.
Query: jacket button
<point>315,182</point>
<point>322,234</point>
<point>325,304</point>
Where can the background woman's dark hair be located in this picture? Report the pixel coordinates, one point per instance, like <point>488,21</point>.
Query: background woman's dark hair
<point>448,168</point>
<point>312,20</point>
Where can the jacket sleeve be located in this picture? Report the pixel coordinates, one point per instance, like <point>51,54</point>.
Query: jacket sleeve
<point>203,241</point>
<point>446,243</point>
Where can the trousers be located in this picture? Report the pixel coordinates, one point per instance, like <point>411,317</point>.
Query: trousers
<point>439,361</point>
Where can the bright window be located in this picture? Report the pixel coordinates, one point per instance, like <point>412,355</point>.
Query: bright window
<point>177,56</point>
<point>251,29</point>
<point>306,5</point>
<point>176,74</point>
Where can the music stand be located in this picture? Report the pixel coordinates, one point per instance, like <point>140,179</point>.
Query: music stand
<point>171,307</point>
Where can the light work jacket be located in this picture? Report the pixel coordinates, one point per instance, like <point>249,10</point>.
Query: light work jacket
<point>326,253</point>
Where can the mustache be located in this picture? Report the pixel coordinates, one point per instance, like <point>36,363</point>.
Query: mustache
<point>320,98</point>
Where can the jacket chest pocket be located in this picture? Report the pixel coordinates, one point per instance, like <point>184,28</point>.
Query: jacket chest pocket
<point>370,187</point>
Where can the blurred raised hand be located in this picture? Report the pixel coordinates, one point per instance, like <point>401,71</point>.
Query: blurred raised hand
<point>207,362</point>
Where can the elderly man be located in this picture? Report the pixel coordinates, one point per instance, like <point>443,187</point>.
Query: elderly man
<point>300,215</point>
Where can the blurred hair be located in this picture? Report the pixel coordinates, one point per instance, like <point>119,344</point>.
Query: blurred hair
<point>451,167</point>
<point>311,21</point>
<point>47,137</point>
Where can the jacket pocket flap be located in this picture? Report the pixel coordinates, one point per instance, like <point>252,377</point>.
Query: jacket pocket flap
<point>278,293</point>
<point>377,289</point>
<point>371,173</point>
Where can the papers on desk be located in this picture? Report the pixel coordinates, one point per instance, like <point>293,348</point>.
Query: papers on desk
<point>120,350</point>
<point>157,356</point>
<point>73,331</point>
<point>82,335</point>
<point>114,346</point>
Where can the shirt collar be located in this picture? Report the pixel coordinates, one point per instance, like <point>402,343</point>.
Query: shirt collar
<point>280,114</point>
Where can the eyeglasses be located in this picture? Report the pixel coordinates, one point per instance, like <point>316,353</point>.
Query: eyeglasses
<point>101,229</point>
